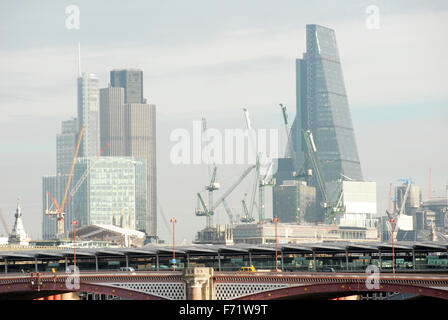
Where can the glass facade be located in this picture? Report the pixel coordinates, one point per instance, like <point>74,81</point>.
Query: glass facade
<point>113,192</point>
<point>88,114</point>
<point>322,107</point>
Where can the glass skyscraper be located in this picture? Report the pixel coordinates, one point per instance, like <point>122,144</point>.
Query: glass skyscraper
<point>322,107</point>
<point>88,114</point>
<point>114,190</point>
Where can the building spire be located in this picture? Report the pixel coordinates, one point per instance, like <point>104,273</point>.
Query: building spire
<point>18,234</point>
<point>79,60</point>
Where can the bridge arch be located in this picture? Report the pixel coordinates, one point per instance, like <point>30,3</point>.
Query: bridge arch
<point>24,291</point>
<point>332,290</point>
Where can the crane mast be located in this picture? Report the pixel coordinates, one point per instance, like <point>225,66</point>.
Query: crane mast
<point>59,213</point>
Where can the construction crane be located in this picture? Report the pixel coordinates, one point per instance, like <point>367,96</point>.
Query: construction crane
<point>330,206</point>
<point>397,213</point>
<point>211,187</point>
<point>59,213</point>
<point>85,174</point>
<point>265,181</point>
<point>228,211</point>
<point>205,211</point>
<point>292,154</point>
<point>246,218</point>
<point>257,162</point>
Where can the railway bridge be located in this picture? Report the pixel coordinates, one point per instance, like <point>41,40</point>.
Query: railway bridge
<point>292,271</point>
<point>198,283</point>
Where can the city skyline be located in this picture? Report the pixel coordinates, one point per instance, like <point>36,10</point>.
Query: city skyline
<point>260,61</point>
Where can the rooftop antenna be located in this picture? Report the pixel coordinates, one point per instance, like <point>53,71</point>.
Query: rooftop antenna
<point>79,60</point>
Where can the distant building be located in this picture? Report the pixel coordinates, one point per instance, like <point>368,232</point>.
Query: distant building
<point>128,127</point>
<point>18,235</point>
<point>112,234</point>
<point>293,201</point>
<point>112,124</point>
<point>88,114</point>
<point>322,107</point>
<point>66,146</point>
<point>359,204</point>
<point>294,233</point>
<point>114,188</point>
<point>132,82</point>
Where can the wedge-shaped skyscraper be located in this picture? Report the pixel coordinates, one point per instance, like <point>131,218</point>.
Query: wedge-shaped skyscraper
<point>322,108</point>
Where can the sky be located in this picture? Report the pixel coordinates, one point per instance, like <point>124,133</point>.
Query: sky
<point>211,59</point>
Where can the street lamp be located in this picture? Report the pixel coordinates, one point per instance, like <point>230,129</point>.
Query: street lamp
<point>392,221</point>
<point>74,223</point>
<point>173,221</point>
<point>276,221</point>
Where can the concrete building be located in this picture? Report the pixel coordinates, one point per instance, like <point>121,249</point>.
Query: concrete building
<point>294,233</point>
<point>359,204</point>
<point>293,201</point>
<point>128,126</point>
<point>112,124</point>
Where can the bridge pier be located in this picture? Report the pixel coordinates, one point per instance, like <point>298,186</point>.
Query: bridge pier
<point>199,283</point>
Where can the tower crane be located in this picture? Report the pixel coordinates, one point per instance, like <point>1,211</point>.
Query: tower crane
<point>257,162</point>
<point>399,212</point>
<point>59,213</point>
<point>265,181</point>
<point>210,211</point>
<point>246,218</point>
<point>84,175</point>
<point>293,156</point>
<point>330,206</point>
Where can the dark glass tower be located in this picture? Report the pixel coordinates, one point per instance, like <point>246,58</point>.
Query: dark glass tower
<point>132,82</point>
<point>322,107</point>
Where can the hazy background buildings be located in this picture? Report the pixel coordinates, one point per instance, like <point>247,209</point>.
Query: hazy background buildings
<point>211,59</point>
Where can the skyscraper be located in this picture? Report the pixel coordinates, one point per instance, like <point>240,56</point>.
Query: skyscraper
<point>132,82</point>
<point>322,107</point>
<point>141,142</point>
<point>128,125</point>
<point>112,124</point>
<point>66,145</point>
<point>88,114</point>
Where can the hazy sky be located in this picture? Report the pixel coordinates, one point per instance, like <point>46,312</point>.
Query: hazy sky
<point>210,59</point>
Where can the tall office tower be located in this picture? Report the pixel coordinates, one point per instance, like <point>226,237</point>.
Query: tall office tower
<point>140,142</point>
<point>66,146</point>
<point>322,107</point>
<point>88,114</point>
<point>130,130</point>
<point>132,82</point>
<point>114,187</point>
<point>112,124</point>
